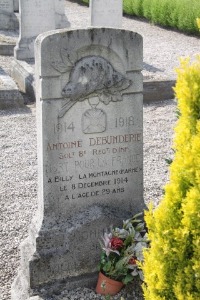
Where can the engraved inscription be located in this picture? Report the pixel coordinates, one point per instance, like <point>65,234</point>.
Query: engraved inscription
<point>118,139</point>
<point>5,5</point>
<point>124,122</point>
<point>119,164</point>
<point>97,164</point>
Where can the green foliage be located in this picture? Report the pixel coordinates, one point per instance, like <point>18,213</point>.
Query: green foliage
<point>180,14</point>
<point>187,15</point>
<point>172,266</point>
<point>147,4</point>
<point>85,1</point>
<point>133,7</point>
<point>162,12</point>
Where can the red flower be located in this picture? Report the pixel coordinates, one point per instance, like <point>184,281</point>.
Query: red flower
<point>116,243</point>
<point>132,261</point>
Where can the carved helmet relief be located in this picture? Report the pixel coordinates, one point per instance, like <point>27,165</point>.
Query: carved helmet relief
<point>92,78</point>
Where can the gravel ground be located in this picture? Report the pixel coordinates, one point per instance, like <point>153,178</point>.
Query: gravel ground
<point>18,163</point>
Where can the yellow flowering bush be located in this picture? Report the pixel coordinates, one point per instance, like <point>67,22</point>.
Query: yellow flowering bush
<point>172,263</point>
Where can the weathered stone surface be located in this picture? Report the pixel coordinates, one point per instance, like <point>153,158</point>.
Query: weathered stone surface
<point>90,153</point>
<point>37,16</point>
<point>106,13</point>
<point>16,5</point>
<point>8,20</point>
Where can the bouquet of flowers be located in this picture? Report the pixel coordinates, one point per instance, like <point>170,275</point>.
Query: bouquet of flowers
<point>122,251</point>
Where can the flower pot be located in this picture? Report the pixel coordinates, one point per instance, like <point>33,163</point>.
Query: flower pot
<point>107,286</point>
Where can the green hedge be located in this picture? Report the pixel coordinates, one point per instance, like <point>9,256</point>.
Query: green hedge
<point>133,7</point>
<point>179,14</point>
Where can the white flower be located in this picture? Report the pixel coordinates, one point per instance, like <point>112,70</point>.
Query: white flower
<point>107,244</point>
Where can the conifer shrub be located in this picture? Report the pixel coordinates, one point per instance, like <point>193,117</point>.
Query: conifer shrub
<point>172,265</point>
<point>162,12</point>
<point>133,7</point>
<point>147,4</point>
<point>180,14</point>
<point>188,11</point>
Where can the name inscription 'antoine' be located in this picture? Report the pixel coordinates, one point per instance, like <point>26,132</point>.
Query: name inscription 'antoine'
<point>97,141</point>
<point>65,145</point>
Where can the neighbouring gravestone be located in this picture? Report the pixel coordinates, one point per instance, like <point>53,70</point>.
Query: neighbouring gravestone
<point>8,20</point>
<point>38,16</point>
<point>90,154</point>
<point>106,13</point>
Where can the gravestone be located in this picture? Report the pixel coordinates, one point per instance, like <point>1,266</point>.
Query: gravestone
<point>8,20</point>
<point>90,154</point>
<point>37,16</point>
<point>106,13</point>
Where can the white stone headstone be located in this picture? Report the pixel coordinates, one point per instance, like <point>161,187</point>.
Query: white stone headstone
<point>8,20</point>
<point>38,16</point>
<point>90,153</point>
<point>106,13</point>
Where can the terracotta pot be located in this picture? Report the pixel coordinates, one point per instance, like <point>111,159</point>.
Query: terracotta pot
<point>107,286</point>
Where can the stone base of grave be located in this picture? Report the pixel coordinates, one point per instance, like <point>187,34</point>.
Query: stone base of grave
<point>23,74</point>
<point>24,49</point>
<point>21,291</point>
<point>7,49</point>
<point>8,21</point>
<point>158,90</point>
<point>26,277</point>
<point>52,261</point>
<point>9,93</point>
